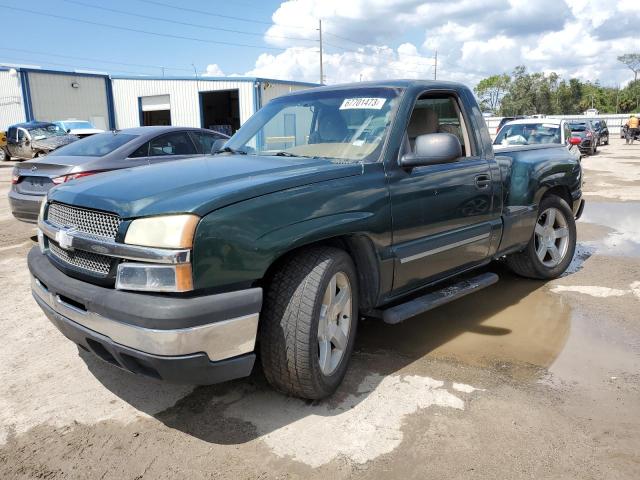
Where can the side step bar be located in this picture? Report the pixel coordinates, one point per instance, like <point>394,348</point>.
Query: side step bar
<point>434,299</point>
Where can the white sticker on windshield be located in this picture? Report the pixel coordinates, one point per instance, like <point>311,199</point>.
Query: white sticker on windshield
<point>549,125</point>
<point>370,103</point>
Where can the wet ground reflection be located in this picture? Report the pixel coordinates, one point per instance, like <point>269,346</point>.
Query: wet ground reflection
<point>516,322</point>
<point>623,218</point>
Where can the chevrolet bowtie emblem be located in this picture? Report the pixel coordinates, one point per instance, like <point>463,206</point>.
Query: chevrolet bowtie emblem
<point>34,168</point>
<point>64,238</point>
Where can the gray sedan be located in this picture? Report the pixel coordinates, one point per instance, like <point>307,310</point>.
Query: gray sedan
<point>100,153</point>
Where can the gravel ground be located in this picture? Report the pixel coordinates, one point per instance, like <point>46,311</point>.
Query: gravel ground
<point>522,380</point>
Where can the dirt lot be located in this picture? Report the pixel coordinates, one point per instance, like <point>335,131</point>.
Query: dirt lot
<point>521,380</point>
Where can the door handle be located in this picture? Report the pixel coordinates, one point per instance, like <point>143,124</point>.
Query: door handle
<point>483,182</point>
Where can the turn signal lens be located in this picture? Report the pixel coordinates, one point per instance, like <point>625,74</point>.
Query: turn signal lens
<point>154,278</point>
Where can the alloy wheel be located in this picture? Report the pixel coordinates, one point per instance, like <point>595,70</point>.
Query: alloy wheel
<point>551,237</point>
<point>335,323</point>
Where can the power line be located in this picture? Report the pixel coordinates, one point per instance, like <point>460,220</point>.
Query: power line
<point>217,15</point>
<point>75,67</point>
<point>10,8</point>
<point>96,60</point>
<point>188,24</point>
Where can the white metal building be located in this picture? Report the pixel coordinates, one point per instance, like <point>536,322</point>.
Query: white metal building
<point>11,104</point>
<point>221,103</point>
<point>47,95</point>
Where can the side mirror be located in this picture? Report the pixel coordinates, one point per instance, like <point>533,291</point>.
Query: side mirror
<point>432,149</point>
<point>574,141</point>
<point>68,130</point>
<point>217,145</point>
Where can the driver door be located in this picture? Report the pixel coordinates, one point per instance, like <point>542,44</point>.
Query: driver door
<point>443,214</point>
<point>23,146</point>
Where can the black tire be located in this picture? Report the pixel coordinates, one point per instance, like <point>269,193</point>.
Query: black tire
<point>7,157</point>
<point>289,323</point>
<point>527,264</point>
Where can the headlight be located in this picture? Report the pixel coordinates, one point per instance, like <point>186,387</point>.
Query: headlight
<point>172,231</point>
<point>154,278</point>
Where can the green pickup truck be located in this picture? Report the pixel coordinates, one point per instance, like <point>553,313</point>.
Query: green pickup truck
<point>367,200</point>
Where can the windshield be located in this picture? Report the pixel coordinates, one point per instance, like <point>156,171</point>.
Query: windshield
<point>46,131</point>
<point>528,134</point>
<point>94,146</point>
<point>578,127</point>
<point>349,125</point>
<point>77,125</point>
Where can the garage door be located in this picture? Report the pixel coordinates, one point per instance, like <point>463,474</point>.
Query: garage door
<point>62,97</point>
<point>155,103</point>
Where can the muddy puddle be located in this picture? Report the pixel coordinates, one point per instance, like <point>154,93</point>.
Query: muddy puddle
<point>516,324</point>
<point>623,222</point>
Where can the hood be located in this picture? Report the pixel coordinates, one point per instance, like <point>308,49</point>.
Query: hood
<point>196,185</point>
<point>51,143</point>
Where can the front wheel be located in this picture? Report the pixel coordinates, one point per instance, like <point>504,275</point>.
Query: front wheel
<point>552,245</point>
<point>309,322</point>
<point>7,157</point>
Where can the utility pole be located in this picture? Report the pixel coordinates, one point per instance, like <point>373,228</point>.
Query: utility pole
<point>435,66</point>
<point>321,67</point>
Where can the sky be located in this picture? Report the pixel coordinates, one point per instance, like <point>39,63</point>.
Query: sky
<point>362,39</point>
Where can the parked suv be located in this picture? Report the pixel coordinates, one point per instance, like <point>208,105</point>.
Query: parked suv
<point>102,152</point>
<point>34,139</point>
<point>600,126</point>
<point>584,130</point>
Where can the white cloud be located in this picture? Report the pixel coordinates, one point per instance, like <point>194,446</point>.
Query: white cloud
<point>379,39</point>
<point>213,70</point>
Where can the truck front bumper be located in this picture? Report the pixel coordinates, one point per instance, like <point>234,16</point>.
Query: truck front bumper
<point>194,340</point>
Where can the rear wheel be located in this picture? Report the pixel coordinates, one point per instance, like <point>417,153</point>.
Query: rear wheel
<point>552,245</point>
<point>309,322</point>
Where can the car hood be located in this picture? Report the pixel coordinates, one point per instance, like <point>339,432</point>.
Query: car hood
<point>51,143</point>
<point>196,185</point>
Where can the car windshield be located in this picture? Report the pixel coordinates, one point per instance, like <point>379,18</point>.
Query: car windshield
<point>46,131</point>
<point>95,146</point>
<point>578,127</point>
<point>77,125</point>
<point>528,134</point>
<point>348,125</point>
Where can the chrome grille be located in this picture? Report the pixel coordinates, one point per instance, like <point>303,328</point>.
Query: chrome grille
<point>92,262</point>
<point>91,222</point>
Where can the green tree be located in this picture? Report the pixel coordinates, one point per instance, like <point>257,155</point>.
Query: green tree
<point>491,90</point>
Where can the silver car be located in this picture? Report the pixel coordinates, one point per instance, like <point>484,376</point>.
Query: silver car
<point>132,147</point>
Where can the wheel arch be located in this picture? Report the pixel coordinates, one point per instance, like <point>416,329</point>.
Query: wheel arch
<point>363,254</point>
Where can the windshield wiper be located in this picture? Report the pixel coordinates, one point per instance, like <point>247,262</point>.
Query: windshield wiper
<point>289,154</point>
<point>230,150</point>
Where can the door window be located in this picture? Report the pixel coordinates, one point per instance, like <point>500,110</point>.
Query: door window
<point>439,114</point>
<point>12,134</point>
<point>22,135</point>
<point>177,143</point>
<point>205,140</point>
